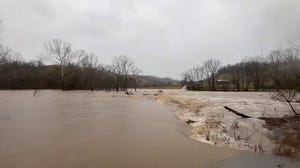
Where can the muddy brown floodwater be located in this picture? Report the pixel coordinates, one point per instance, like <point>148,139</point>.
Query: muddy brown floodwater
<point>97,129</point>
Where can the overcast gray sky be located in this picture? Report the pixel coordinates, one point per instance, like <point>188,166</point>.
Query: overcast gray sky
<point>164,37</point>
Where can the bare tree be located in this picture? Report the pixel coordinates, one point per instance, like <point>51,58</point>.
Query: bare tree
<point>292,58</point>
<point>211,67</point>
<point>256,70</point>
<point>60,53</point>
<point>89,63</point>
<point>122,67</point>
<point>236,76</point>
<point>246,71</point>
<point>17,57</point>
<point>135,72</point>
<point>275,62</point>
<point>199,72</point>
<point>5,54</point>
<point>189,78</point>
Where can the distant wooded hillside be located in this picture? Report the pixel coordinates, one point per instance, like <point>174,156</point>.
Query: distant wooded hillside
<point>153,81</point>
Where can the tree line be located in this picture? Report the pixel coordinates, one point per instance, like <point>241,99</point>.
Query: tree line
<point>62,67</point>
<point>279,69</point>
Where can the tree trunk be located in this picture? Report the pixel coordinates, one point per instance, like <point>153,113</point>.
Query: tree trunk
<point>213,81</point>
<point>62,77</point>
<point>135,84</point>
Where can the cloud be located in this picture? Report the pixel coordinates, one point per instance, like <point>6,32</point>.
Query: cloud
<point>163,37</point>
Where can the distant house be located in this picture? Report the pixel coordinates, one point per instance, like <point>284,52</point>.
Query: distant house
<point>220,84</point>
<point>175,84</point>
<point>197,85</point>
<point>223,83</point>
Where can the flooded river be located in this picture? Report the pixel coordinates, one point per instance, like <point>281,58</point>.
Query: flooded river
<point>97,129</point>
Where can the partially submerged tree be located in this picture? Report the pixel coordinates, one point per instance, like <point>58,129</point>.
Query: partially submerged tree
<point>89,65</point>
<point>135,72</point>
<point>122,66</point>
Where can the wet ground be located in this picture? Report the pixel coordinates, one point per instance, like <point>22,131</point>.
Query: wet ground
<point>98,129</point>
